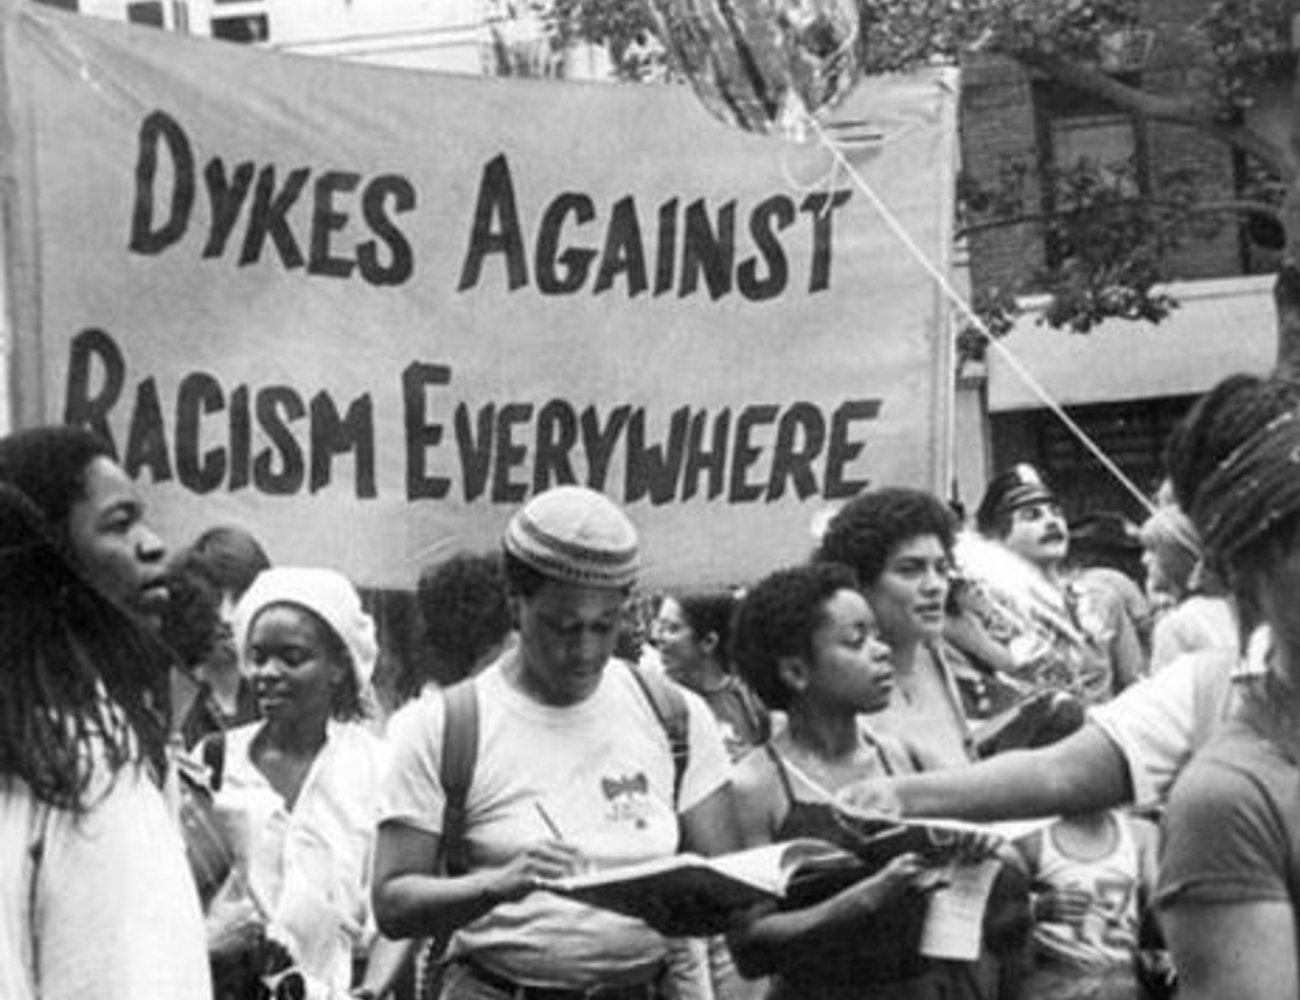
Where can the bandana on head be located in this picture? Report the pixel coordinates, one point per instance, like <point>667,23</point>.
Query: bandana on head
<point>1252,490</point>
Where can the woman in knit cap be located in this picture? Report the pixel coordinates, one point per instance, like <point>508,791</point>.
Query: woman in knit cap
<point>1228,892</point>
<point>300,786</point>
<point>573,769</point>
<point>1198,612</point>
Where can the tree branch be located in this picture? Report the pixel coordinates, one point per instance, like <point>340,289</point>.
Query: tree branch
<point>1238,206</point>
<point>1177,110</point>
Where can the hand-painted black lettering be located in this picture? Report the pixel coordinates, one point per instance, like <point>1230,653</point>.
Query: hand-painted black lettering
<point>160,131</point>
<point>421,434</point>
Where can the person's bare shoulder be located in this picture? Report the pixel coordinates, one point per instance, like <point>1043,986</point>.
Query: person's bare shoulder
<point>760,798</point>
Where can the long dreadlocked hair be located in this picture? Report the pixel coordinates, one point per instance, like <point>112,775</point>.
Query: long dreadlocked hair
<point>1232,412</point>
<point>1235,411</point>
<point>81,682</point>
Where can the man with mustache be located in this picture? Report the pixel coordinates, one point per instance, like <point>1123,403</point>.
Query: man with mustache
<point>1059,634</point>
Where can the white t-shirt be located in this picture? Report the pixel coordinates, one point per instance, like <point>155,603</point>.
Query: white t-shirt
<point>601,769</point>
<point>1159,722</point>
<point>311,865</point>
<point>99,906</point>
<point>1199,622</point>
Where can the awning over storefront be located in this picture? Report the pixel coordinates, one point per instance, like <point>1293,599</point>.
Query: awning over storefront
<point>1219,327</point>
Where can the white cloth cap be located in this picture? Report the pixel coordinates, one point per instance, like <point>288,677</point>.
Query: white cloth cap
<point>324,592</point>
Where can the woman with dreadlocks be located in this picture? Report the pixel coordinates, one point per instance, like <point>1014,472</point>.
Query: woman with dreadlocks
<point>1228,890</point>
<point>99,903</point>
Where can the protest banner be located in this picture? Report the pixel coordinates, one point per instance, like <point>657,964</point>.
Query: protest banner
<point>366,312</point>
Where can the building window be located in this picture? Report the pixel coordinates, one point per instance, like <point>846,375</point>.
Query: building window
<point>1132,434</point>
<point>149,12</point>
<point>247,28</point>
<point>1088,151</point>
<point>1107,143</point>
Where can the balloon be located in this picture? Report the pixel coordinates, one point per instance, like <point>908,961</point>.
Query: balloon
<point>764,65</point>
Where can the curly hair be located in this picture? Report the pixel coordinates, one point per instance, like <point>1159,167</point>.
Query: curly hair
<point>223,560</point>
<point>465,612</point>
<point>872,525</point>
<point>192,617</point>
<point>709,611</point>
<point>777,619</point>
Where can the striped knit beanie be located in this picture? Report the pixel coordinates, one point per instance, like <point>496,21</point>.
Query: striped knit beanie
<point>575,535</point>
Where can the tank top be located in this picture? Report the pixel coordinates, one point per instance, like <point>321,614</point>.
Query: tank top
<point>1107,936</point>
<point>846,960</point>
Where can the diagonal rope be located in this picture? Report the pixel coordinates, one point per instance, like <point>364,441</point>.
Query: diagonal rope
<point>958,300</point>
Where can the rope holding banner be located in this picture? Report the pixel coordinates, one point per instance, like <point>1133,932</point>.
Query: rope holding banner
<point>967,311</point>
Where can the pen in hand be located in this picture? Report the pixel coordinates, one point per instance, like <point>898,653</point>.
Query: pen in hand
<point>551,825</point>
<point>578,863</point>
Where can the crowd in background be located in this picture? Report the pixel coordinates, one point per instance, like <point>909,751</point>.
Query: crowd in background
<point>214,782</point>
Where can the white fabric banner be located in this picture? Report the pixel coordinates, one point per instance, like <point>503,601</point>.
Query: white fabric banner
<point>366,312</point>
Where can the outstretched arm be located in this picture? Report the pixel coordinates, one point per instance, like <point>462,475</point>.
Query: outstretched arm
<point>1084,771</point>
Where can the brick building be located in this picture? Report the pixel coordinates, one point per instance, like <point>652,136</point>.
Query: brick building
<point>1125,384</point>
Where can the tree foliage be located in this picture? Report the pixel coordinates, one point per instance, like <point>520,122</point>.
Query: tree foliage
<point>1110,238</point>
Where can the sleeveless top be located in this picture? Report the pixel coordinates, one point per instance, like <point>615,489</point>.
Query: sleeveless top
<point>883,951</point>
<point>881,959</point>
<point>1108,934</point>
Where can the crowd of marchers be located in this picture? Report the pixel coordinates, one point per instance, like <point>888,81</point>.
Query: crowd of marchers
<point>208,791</point>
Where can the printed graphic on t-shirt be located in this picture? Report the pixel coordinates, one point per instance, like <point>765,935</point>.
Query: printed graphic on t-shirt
<point>627,797</point>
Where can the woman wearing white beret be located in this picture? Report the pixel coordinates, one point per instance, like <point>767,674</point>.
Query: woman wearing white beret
<point>301,785</point>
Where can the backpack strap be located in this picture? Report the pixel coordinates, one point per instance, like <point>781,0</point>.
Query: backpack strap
<point>456,771</point>
<point>669,705</point>
<point>213,753</point>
